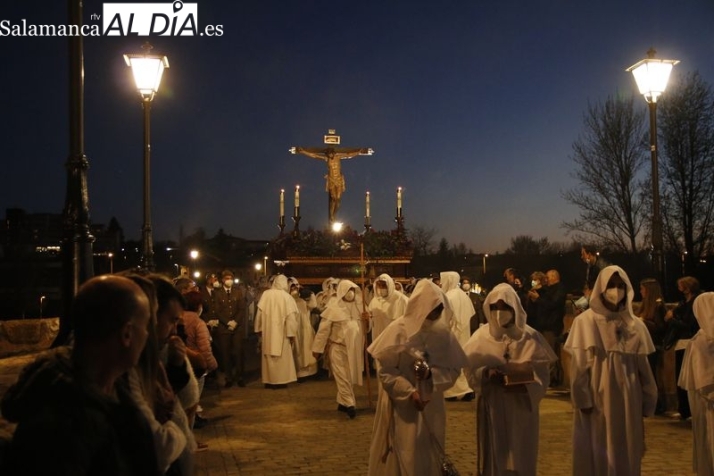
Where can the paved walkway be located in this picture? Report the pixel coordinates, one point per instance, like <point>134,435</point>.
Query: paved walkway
<point>294,431</point>
<point>297,431</point>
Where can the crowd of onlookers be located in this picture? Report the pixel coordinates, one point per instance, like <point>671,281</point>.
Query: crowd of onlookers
<point>123,397</point>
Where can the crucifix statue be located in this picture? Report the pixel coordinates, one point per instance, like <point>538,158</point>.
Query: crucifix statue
<point>335,181</point>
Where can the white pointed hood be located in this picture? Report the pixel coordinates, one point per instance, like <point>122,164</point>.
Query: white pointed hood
<point>449,280</point>
<point>507,294</point>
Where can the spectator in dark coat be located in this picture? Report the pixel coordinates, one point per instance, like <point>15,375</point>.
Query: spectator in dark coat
<point>74,413</point>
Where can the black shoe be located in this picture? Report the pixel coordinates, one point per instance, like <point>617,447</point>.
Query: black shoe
<point>351,412</point>
<point>341,408</point>
<point>199,422</point>
<point>468,397</point>
<point>451,399</point>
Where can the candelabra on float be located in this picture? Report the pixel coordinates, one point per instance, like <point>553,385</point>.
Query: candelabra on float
<point>399,218</point>
<point>281,222</point>
<point>296,212</point>
<point>367,217</point>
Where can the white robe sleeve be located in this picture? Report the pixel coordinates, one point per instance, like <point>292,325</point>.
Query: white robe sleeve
<point>581,393</point>
<point>291,325</point>
<point>169,440</point>
<point>323,333</point>
<point>444,378</point>
<point>397,386</point>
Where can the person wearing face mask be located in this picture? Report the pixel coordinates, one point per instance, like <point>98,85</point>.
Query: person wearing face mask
<point>612,386</point>
<point>419,357</point>
<point>276,324</point>
<point>305,301</point>
<point>462,311</point>
<point>478,318</point>
<point>509,369</point>
<point>340,335</point>
<point>208,294</point>
<point>229,334</point>
<point>198,344</point>
<point>387,304</point>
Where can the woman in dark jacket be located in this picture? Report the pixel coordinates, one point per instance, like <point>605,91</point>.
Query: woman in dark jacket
<point>681,326</point>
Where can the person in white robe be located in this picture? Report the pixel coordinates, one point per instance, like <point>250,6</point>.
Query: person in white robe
<point>340,336</point>
<point>387,304</point>
<point>410,420</point>
<point>509,369</point>
<point>463,310</point>
<point>329,289</point>
<point>276,324</point>
<point>697,378</point>
<point>305,363</point>
<point>611,382</point>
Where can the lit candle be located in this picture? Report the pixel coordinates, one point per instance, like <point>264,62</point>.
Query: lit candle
<point>297,196</point>
<point>282,202</point>
<point>367,205</point>
<point>399,201</point>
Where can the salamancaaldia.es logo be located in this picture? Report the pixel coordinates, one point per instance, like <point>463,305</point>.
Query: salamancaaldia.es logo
<point>123,19</point>
<point>155,19</point>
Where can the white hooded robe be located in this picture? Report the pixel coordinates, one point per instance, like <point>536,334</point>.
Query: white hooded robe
<point>277,321</point>
<point>609,373</point>
<point>341,327</point>
<point>463,310</point>
<point>304,361</point>
<point>402,442</point>
<point>697,378</point>
<point>508,421</point>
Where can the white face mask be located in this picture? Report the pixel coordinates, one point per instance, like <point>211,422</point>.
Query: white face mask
<point>350,296</point>
<point>503,317</point>
<point>228,283</point>
<point>216,284</point>
<point>614,295</point>
<point>466,287</point>
<point>382,292</point>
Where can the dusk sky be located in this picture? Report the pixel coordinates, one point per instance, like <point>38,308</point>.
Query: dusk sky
<point>471,107</point>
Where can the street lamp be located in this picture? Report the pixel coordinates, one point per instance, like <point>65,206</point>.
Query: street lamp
<point>111,262</point>
<point>484,263</point>
<point>652,76</point>
<point>265,265</point>
<point>147,69</point>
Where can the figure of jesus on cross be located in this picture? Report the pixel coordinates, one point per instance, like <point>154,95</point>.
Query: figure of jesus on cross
<point>335,181</point>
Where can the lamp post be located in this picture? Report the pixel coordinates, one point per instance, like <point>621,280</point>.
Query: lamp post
<point>265,265</point>
<point>651,75</point>
<point>484,263</point>
<point>111,262</point>
<point>147,69</point>
<point>77,239</point>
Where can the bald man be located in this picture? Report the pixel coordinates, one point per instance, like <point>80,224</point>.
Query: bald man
<point>74,415</point>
